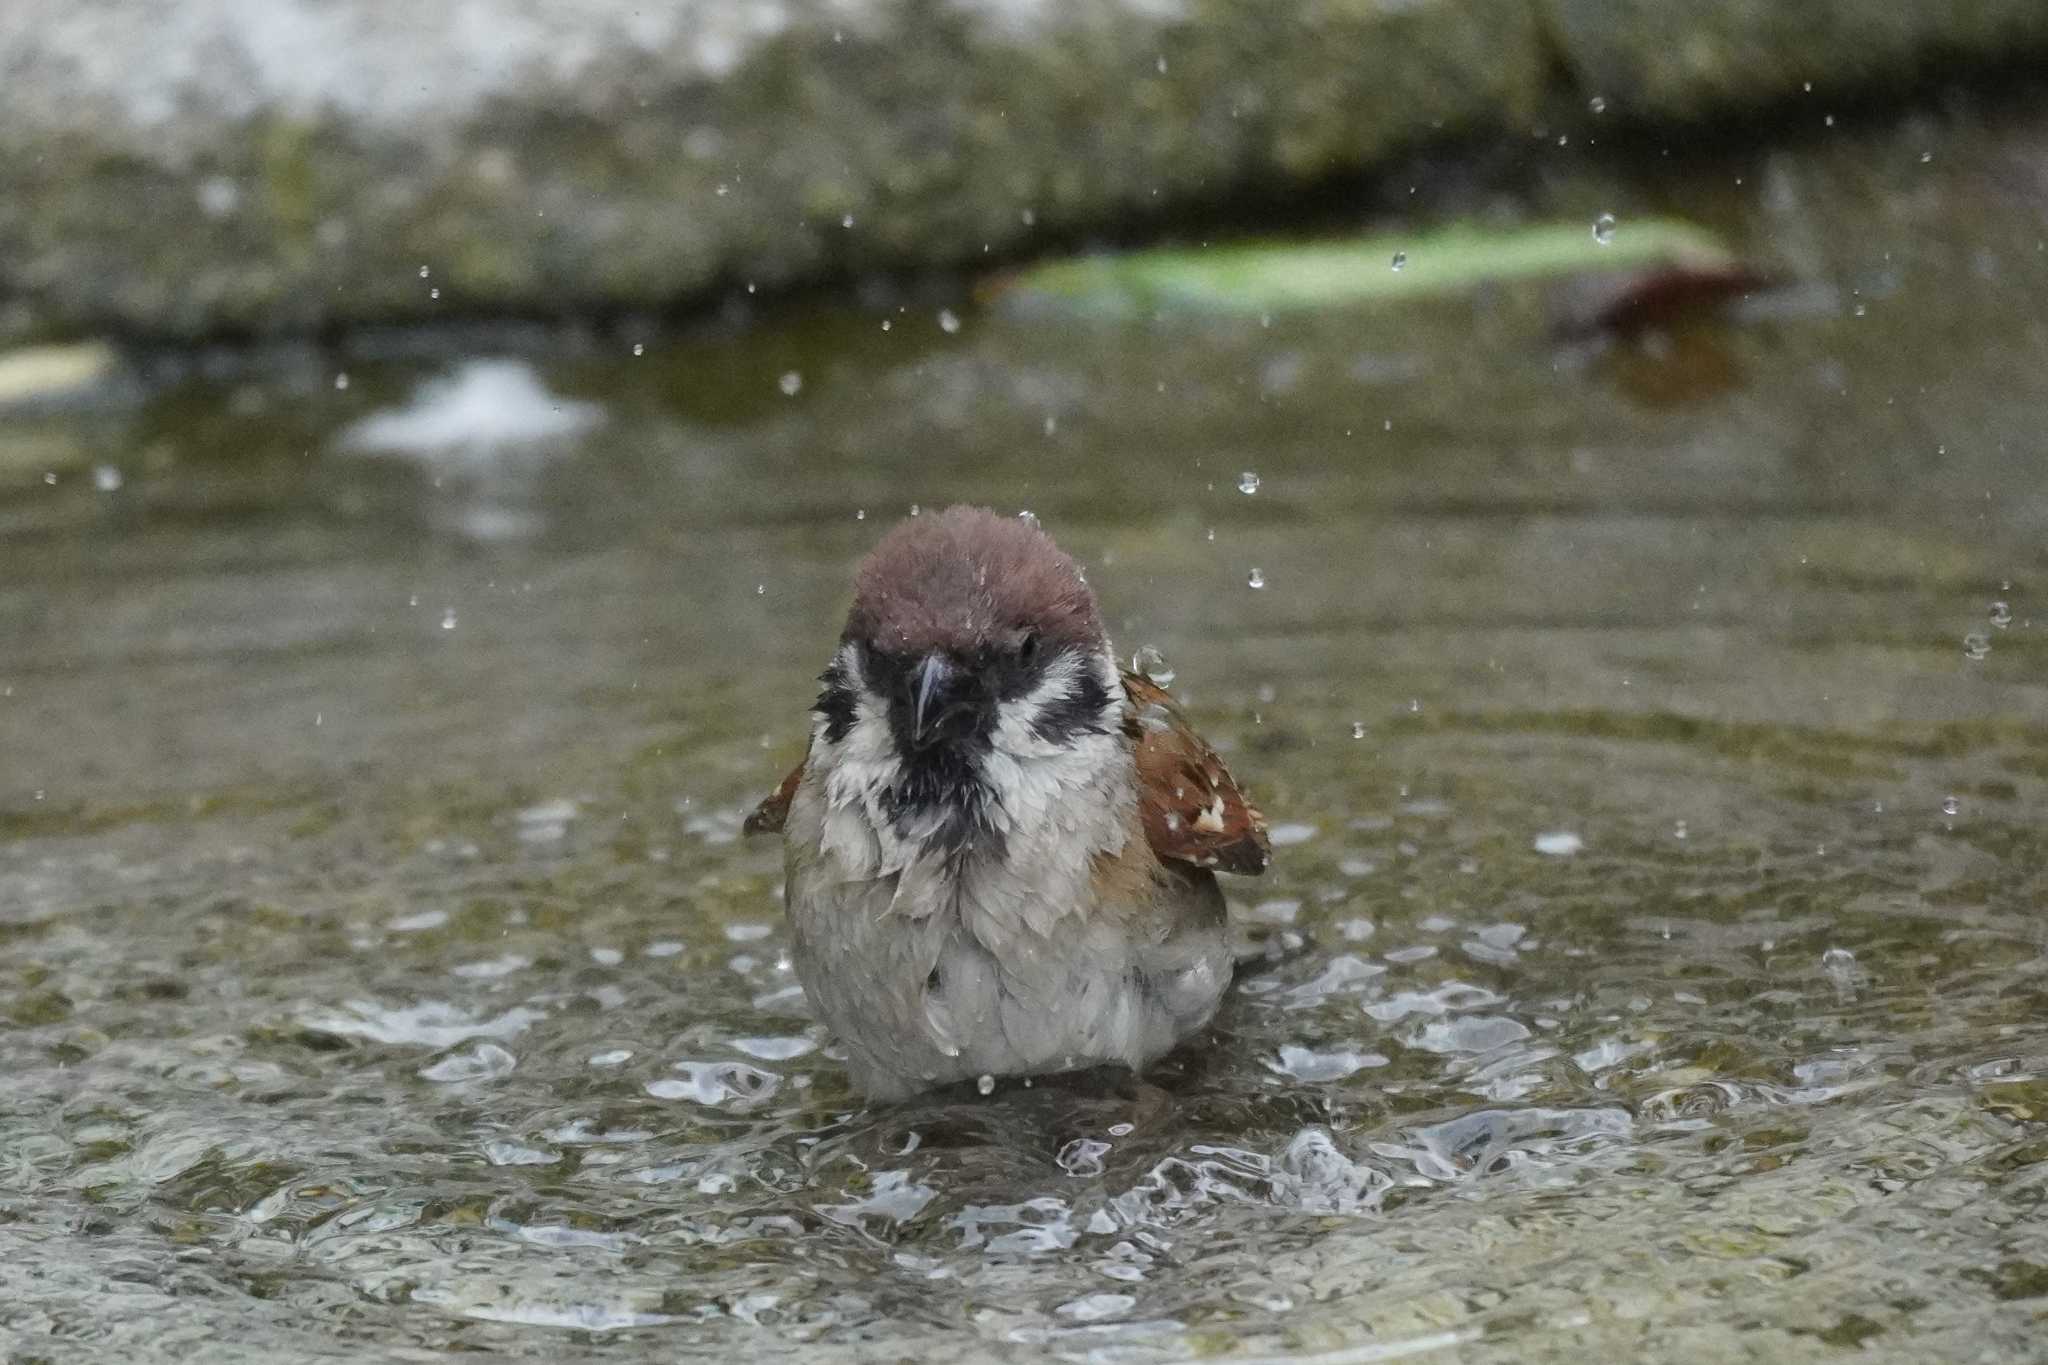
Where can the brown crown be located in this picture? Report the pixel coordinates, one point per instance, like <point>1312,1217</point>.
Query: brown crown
<point>969,577</point>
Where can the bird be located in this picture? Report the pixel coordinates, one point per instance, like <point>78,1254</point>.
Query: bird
<point>1000,847</point>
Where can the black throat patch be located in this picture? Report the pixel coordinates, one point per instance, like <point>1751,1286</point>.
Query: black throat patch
<point>940,789</point>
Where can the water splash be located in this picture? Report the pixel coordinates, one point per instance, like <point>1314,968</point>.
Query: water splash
<point>717,1084</point>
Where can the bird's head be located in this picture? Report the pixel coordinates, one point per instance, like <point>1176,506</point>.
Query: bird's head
<point>970,633</point>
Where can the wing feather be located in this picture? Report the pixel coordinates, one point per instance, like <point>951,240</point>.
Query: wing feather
<point>768,817</point>
<point>1192,808</point>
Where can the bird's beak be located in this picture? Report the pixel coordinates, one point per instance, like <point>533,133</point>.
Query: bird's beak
<point>932,676</point>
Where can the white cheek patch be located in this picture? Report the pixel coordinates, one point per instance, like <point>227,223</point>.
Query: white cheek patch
<point>863,769</point>
<point>1065,786</point>
<point>857,771</point>
<point>1017,719</point>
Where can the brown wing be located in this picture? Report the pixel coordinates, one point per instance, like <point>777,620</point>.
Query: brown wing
<point>769,815</point>
<point>1192,808</point>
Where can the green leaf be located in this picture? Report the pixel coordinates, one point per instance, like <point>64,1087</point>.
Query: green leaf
<point>1271,277</point>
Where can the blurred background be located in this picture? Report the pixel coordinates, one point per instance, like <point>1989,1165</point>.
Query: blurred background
<point>1580,460</point>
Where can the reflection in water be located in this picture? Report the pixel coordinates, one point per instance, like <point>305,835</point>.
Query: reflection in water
<point>482,434</point>
<point>484,413</point>
<point>1653,962</point>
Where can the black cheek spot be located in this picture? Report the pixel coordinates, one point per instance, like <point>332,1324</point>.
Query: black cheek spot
<point>837,703</point>
<point>931,982</point>
<point>1078,711</point>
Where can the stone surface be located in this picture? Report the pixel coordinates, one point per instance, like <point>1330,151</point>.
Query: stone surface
<point>204,166</point>
<point>184,168</point>
<point>1694,58</point>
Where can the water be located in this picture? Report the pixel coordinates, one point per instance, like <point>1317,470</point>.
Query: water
<point>1660,971</point>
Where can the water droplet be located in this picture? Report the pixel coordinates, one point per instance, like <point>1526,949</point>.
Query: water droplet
<point>341,380</point>
<point>1598,104</point>
<point>790,383</point>
<point>1400,260</point>
<point>1603,229</point>
<point>949,321</point>
<point>722,191</point>
<point>860,514</point>
<point>434,293</point>
<point>1052,424</point>
<point>1248,483</point>
<point>1415,706</point>
<point>1255,579</point>
<point>847,221</point>
<point>50,478</point>
<point>1212,533</point>
<point>2001,614</point>
<point>424,272</point>
<point>1926,157</point>
<point>448,619</point>
<point>413,600</point>
<point>1358,729</point>
<point>1976,646</point>
<point>1860,310</point>
<point>986,1085</point>
<point>760,590</point>
<point>1149,662</point>
<point>106,478</point>
<point>915,509</point>
<point>1838,960</point>
<point>1679,831</point>
<point>639,349</point>
<point>1951,805</point>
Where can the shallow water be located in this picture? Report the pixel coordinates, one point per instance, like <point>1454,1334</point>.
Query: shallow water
<point>1653,962</point>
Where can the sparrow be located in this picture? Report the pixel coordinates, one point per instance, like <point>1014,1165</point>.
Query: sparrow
<point>1000,847</point>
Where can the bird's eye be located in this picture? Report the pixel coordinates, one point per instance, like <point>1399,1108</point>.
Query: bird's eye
<point>1027,648</point>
